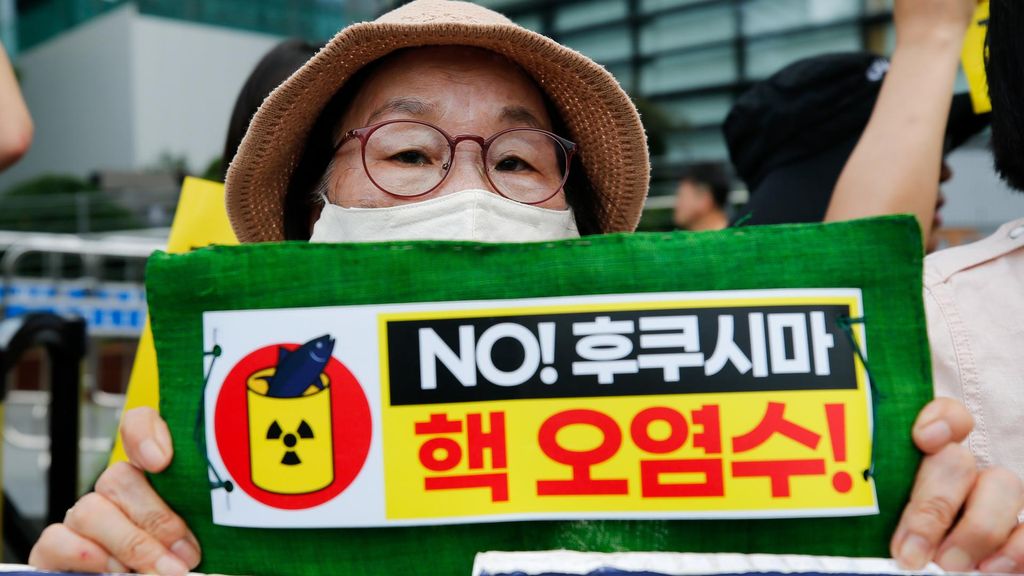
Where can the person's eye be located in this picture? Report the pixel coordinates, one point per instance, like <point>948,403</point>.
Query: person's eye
<point>411,157</point>
<point>512,164</point>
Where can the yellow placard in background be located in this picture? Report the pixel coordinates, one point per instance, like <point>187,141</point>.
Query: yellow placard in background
<point>974,59</point>
<point>200,220</point>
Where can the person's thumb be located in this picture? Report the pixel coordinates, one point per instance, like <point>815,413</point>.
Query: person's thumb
<point>146,438</point>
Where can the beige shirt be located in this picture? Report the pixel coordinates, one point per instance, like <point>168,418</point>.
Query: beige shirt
<point>974,300</point>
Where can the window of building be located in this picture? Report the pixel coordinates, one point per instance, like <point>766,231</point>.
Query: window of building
<point>689,70</point>
<point>761,16</point>
<point>688,28</point>
<point>583,14</point>
<point>766,56</point>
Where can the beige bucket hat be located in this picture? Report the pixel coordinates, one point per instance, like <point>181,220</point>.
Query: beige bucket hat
<point>598,114</point>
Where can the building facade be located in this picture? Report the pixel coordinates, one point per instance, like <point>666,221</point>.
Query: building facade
<point>150,79</point>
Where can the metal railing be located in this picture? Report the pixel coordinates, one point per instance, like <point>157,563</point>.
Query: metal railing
<point>65,343</point>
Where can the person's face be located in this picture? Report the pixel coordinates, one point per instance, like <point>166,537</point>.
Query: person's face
<point>692,202</point>
<point>461,91</point>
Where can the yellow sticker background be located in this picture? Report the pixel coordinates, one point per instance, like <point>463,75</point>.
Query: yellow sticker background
<point>740,412</point>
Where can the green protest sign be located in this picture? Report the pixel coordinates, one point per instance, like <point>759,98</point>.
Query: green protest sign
<point>396,408</point>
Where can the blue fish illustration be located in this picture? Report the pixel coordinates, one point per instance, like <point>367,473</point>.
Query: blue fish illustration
<point>301,368</point>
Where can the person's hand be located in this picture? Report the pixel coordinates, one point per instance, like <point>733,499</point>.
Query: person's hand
<point>123,525</point>
<point>961,517</point>
<point>926,21</point>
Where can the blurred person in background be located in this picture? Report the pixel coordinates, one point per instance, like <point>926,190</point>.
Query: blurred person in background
<point>489,79</point>
<point>15,122</point>
<point>974,294</point>
<point>275,67</point>
<point>701,198</point>
<point>789,136</point>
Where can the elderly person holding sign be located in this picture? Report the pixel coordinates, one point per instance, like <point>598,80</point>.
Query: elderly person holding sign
<point>444,120</point>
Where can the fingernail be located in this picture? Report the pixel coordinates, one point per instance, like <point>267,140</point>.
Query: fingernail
<point>955,560</point>
<point>151,453</point>
<point>195,543</point>
<point>162,434</point>
<point>188,553</point>
<point>936,433</point>
<point>116,567</point>
<point>1000,565</point>
<point>914,553</point>
<point>168,565</point>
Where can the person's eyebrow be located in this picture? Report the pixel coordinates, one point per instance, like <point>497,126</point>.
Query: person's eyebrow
<point>410,106</point>
<point>520,115</point>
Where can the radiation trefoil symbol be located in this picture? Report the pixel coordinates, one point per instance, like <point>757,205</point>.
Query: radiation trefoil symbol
<point>290,426</point>
<point>290,457</point>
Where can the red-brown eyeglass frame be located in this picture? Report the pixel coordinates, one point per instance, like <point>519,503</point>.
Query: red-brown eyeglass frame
<point>363,135</point>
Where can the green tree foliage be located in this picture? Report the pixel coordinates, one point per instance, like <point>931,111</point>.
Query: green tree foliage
<point>59,203</point>
<point>212,171</point>
<point>656,220</point>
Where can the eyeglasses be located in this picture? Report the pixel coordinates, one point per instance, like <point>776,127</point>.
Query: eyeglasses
<point>409,158</point>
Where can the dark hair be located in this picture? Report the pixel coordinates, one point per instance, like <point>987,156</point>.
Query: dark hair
<point>580,194</point>
<point>313,162</point>
<point>711,175</point>
<point>316,156</point>
<point>275,67</point>
<point>1005,69</point>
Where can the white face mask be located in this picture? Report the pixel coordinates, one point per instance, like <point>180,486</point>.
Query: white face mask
<point>474,215</point>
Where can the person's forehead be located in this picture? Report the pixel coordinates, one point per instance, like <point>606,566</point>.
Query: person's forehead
<point>450,81</point>
<point>693,186</point>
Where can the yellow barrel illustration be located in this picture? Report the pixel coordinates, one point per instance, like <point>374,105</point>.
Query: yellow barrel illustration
<point>290,439</point>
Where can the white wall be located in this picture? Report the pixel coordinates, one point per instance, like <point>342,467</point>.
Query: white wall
<point>185,78</point>
<point>122,89</point>
<point>76,88</point>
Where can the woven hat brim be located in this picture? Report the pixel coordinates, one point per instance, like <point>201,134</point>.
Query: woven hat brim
<point>596,111</point>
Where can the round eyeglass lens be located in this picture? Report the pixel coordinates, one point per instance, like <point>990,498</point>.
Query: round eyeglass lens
<point>526,165</point>
<point>406,158</point>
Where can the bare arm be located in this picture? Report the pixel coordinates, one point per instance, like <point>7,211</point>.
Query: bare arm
<point>895,166</point>
<point>15,123</point>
